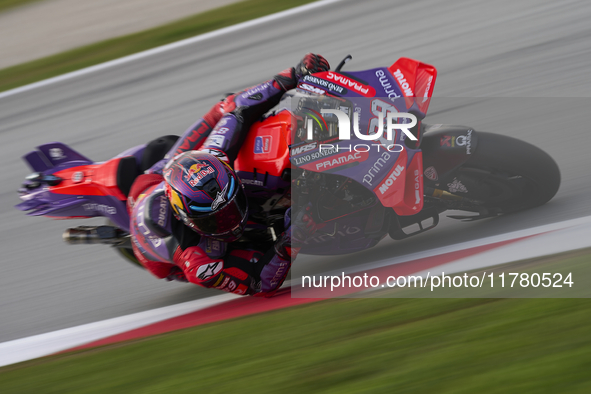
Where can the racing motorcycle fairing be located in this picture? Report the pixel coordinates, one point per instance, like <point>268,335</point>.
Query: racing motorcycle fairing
<point>68,185</point>
<point>395,176</point>
<point>349,234</point>
<point>53,154</point>
<point>446,148</point>
<point>381,165</point>
<point>416,80</point>
<point>263,164</point>
<point>407,78</point>
<point>265,149</point>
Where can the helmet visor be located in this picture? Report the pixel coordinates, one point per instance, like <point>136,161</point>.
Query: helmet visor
<point>225,223</point>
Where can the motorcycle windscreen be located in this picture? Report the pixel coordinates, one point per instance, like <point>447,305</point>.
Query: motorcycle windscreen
<point>371,141</point>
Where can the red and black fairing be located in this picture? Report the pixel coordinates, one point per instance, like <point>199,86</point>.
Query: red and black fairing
<point>68,185</point>
<point>263,167</point>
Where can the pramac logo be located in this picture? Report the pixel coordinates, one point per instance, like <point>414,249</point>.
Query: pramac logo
<point>347,82</point>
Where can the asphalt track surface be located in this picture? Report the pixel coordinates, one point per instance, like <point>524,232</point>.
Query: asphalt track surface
<point>515,68</point>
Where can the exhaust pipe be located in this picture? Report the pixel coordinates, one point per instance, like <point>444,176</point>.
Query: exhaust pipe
<point>94,235</point>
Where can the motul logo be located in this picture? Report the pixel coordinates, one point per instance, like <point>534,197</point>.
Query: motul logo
<point>390,180</point>
<point>403,84</point>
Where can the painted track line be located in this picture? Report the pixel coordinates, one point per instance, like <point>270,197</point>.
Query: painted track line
<point>28,348</point>
<point>168,47</point>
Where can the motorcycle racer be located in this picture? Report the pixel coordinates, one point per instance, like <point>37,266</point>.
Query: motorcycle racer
<point>189,208</point>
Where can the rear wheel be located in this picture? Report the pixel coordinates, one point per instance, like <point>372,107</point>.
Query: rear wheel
<point>505,175</point>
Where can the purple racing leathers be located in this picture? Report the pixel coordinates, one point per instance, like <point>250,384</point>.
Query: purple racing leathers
<point>180,253</point>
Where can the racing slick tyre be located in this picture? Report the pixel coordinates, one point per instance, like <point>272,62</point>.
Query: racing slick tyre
<point>505,175</point>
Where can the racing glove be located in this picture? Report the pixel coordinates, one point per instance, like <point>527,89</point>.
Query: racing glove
<point>303,226</point>
<point>209,272</point>
<point>311,63</point>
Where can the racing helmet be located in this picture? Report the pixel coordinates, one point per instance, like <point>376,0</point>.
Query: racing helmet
<point>206,195</point>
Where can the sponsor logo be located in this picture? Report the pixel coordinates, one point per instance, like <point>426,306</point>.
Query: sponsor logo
<point>340,233</point>
<point>101,208</point>
<point>256,97</point>
<point>403,84</point>
<point>451,141</point>
<point>197,172</point>
<point>224,283</point>
<point>431,174</point>
<point>241,289</point>
<point>385,82</point>
<point>376,168</point>
<point>220,198</point>
<point>349,83</point>
<point>316,155</point>
<point>457,187</point>
<point>231,286</point>
<point>446,141</point>
<point>77,177</point>
<point>303,149</point>
<point>217,153</point>
<point>339,161</point>
<point>467,140</point>
<point>212,246</point>
<point>324,83</point>
<point>163,210</point>
<point>210,270</point>
<point>262,144</point>
<point>417,187</point>
<point>426,93</point>
<point>280,273</point>
<point>252,182</point>
<point>190,141</point>
<point>221,130</point>
<point>390,180</point>
<point>257,89</point>
<point>195,168</point>
<point>216,140</point>
<point>56,154</point>
<point>141,226</point>
<point>310,88</point>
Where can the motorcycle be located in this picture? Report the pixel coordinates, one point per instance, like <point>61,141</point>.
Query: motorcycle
<point>294,156</point>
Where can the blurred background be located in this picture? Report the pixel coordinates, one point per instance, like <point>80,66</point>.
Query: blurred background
<point>536,53</point>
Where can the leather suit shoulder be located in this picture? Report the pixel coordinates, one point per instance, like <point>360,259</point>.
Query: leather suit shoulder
<point>151,219</point>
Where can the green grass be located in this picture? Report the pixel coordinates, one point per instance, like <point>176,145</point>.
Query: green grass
<point>8,4</point>
<point>112,49</point>
<point>344,346</point>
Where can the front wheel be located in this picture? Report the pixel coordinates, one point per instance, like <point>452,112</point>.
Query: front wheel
<point>505,175</point>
